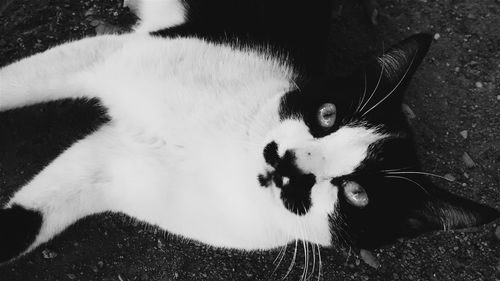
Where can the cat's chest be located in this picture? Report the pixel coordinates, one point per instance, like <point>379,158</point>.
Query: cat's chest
<point>180,86</point>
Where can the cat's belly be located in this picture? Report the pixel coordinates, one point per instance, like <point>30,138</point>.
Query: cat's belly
<point>215,199</point>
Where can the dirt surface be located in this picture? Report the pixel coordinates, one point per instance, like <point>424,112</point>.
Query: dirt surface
<point>455,99</point>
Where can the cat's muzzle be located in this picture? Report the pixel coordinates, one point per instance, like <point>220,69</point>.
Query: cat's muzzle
<point>283,171</point>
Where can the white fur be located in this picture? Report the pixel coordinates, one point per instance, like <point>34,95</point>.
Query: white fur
<point>157,14</point>
<point>184,148</point>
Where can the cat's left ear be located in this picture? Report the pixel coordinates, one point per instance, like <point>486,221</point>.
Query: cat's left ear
<point>444,210</point>
<point>389,74</point>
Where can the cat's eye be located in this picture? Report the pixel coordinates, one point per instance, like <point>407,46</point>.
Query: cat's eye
<point>327,114</point>
<point>355,194</point>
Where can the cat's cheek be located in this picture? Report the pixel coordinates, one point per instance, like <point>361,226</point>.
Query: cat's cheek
<point>323,198</point>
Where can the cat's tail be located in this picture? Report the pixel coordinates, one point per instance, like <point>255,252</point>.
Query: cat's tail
<point>20,227</point>
<point>56,73</point>
<point>73,186</point>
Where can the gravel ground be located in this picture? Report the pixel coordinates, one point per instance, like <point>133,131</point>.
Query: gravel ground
<point>454,103</point>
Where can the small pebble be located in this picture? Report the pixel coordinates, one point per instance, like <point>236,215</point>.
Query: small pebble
<point>47,254</point>
<point>469,163</point>
<point>457,69</point>
<point>71,276</point>
<point>369,258</point>
<point>160,244</point>
<point>437,36</point>
<point>498,97</point>
<point>464,134</point>
<point>497,232</point>
<point>95,23</point>
<point>479,84</point>
<point>106,28</point>
<point>449,177</point>
<point>408,111</point>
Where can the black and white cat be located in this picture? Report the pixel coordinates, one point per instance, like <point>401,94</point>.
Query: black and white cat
<point>224,128</point>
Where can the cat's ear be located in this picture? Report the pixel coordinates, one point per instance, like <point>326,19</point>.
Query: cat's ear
<point>442,210</point>
<point>388,75</point>
<point>399,63</point>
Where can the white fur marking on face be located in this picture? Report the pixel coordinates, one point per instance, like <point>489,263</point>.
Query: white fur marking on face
<point>337,154</point>
<point>328,157</point>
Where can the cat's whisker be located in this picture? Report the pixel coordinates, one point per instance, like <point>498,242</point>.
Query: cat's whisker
<point>309,246</point>
<point>295,85</point>
<point>306,253</point>
<point>375,89</point>
<point>348,256</point>
<point>395,87</point>
<point>363,97</point>
<point>314,261</point>
<point>292,263</point>
<point>396,170</point>
<point>280,255</point>
<point>320,267</point>
<point>420,173</point>
<point>342,232</point>
<point>308,250</point>
<point>410,180</point>
<point>306,260</point>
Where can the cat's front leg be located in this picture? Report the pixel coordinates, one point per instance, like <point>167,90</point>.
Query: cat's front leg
<point>53,74</point>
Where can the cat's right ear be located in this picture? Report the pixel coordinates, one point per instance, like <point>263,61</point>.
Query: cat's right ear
<point>388,75</point>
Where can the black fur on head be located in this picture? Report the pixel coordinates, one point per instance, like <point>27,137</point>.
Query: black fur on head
<point>397,201</point>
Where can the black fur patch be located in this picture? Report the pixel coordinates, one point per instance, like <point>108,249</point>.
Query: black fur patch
<point>296,192</point>
<point>294,28</point>
<point>18,229</point>
<point>271,154</point>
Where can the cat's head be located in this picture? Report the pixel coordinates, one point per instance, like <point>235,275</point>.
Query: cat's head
<point>343,146</point>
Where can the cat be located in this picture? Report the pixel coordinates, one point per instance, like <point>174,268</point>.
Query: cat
<point>228,131</point>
